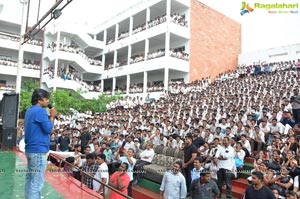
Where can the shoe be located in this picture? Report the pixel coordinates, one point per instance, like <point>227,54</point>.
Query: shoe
<point>136,181</point>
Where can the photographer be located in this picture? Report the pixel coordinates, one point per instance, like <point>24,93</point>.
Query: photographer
<point>295,100</point>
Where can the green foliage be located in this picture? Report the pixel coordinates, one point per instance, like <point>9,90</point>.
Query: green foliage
<point>66,99</point>
<point>63,100</point>
<point>27,89</point>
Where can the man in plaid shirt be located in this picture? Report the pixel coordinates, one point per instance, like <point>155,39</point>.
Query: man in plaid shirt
<point>91,168</point>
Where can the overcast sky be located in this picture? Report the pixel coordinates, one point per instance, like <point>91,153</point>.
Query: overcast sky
<point>260,29</point>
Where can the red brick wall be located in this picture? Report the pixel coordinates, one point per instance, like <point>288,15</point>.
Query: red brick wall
<point>215,42</point>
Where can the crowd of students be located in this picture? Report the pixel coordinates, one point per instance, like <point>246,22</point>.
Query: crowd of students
<point>217,124</point>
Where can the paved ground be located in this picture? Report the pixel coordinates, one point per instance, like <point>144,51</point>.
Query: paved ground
<point>12,178</point>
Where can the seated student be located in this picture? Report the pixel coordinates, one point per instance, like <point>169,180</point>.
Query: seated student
<point>146,158</point>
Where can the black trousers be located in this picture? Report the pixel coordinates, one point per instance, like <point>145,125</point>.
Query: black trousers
<point>188,177</point>
<point>225,175</point>
<point>129,189</point>
<point>296,115</point>
<point>139,168</point>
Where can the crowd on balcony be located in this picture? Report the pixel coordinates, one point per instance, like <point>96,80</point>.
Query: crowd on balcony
<point>155,87</point>
<point>251,116</point>
<point>136,88</point>
<point>16,38</point>
<point>123,35</point>
<point>26,63</point>
<point>136,58</point>
<point>156,53</point>
<point>179,19</point>
<point>179,54</point>
<point>108,66</point>
<point>4,87</point>
<point>139,28</point>
<point>72,75</point>
<point>110,41</point>
<point>158,20</point>
<point>74,48</point>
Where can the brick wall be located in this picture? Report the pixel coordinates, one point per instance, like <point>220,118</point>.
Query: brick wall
<point>215,42</point>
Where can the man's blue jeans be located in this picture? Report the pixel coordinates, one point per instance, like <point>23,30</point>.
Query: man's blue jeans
<point>36,167</point>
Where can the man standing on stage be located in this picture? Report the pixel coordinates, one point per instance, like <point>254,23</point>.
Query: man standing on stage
<point>38,127</point>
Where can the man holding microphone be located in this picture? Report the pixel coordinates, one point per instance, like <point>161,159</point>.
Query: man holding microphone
<point>38,127</point>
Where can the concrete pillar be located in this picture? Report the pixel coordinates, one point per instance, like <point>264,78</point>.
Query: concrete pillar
<point>56,60</point>
<point>148,11</point>
<point>145,82</point>
<point>115,57</point>
<point>166,78</point>
<point>168,11</point>
<point>117,31</point>
<point>130,25</point>
<point>105,37</point>
<point>103,60</point>
<point>167,44</point>
<point>113,86</point>
<point>102,85</point>
<point>146,48</point>
<point>127,84</point>
<point>129,53</point>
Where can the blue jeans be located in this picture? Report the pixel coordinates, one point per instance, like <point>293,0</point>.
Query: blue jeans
<point>35,176</point>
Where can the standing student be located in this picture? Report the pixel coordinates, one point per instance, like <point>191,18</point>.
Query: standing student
<point>173,184</point>
<point>38,127</point>
<point>225,157</point>
<point>120,180</point>
<point>257,189</point>
<point>204,187</point>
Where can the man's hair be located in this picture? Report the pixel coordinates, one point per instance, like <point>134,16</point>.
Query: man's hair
<point>90,156</point>
<point>102,156</point>
<point>39,94</point>
<point>204,172</point>
<point>125,163</point>
<point>258,174</point>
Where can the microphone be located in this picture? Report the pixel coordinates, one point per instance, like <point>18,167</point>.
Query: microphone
<point>50,106</point>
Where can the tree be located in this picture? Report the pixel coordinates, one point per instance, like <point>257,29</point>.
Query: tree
<point>63,100</point>
<point>27,89</point>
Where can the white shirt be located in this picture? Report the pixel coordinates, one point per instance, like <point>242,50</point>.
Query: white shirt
<point>147,155</point>
<point>227,153</point>
<point>101,173</point>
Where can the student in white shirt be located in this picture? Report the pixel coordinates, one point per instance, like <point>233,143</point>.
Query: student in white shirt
<point>146,158</point>
<point>101,175</point>
<point>225,156</point>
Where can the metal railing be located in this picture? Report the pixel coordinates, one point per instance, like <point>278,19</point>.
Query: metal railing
<point>61,160</point>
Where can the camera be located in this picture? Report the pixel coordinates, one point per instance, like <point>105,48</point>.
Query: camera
<point>293,97</point>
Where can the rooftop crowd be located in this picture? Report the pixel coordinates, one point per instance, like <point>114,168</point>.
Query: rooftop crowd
<point>252,114</point>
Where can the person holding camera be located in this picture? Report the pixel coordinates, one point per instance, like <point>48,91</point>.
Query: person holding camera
<point>225,156</point>
<point>295,100</point>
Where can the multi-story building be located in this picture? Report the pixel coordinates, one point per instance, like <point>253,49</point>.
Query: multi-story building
<point>139,50</point>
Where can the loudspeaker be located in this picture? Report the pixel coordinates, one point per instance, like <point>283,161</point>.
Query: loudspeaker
<point>9,110</point>
<point>9,137</point>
